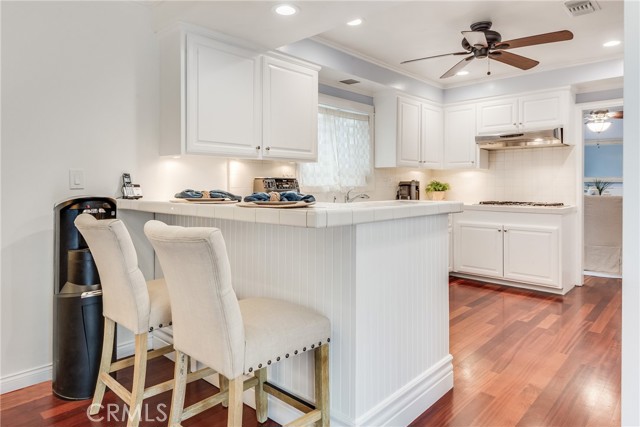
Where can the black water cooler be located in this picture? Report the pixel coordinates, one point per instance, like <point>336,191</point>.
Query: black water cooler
<point>77,301</point>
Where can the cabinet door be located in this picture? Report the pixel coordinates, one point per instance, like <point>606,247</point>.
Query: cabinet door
<point>222,99</point>
<point>432,137</point>
<point>543,110</point>
<point>290,111</point>
<point>497,116</point>
<point>460,137</point>
<point>409,136</point>
<point>478,248</point>
<point>532,254</point>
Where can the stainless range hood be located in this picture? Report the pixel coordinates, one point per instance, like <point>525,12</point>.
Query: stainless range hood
<point>531,139</point>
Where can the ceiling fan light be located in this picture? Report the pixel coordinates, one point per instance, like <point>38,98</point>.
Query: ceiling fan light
<point>462,73</point>
<point>611,43</point>
<point>355,22</point>
<point>598,126</point>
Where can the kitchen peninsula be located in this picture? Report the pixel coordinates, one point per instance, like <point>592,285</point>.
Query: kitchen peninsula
<point>378,270</point>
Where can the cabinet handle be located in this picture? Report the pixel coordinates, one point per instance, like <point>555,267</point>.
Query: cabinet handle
<point>268,148</point>
<point>258,147</point>
<point>506,231</point>
<point>499,231</point>
<point>515,124</point>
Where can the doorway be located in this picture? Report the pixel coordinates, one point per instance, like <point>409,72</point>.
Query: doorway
<point>602,130</point>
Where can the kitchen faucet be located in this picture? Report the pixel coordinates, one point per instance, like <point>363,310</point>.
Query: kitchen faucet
<point>348,198</point>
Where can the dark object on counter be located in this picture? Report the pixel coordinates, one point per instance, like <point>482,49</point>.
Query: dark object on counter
<point>214,194</point>
<point>408,190</point>
<point>509,203</point>
<point>77,301</point>
<point>267,185</point>
<point>288,196</point>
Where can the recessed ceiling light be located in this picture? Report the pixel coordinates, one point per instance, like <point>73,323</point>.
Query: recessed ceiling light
<point>285,9</point>
<point>611,43</point>
<point>355,22</point>
<point>462,73</point>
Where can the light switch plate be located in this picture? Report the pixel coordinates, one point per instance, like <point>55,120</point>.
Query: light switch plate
<point>76,179</point>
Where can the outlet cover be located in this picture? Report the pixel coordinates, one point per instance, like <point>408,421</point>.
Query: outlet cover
<point>76,179</point>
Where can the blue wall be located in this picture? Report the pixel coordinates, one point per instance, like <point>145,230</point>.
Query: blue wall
<point>603,161</point>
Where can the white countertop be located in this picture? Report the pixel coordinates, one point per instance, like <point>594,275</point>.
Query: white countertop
<point>557,210</point>
<point>318,215</point>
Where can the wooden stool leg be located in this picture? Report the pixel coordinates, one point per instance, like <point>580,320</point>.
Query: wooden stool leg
<point>179,388</point>
<point>105,364</point>
<point>224,386</point>
<point>139,375</point>
<point>261,396</point>
<point>236,387</point>
<point>321,359</point>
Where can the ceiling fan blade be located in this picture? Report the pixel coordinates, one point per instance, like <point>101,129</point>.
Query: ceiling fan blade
<point>514,60</point>
<point>459,66</point>
<point>435,56</point>
<point>557,36</point>
<point>616,114</point>
<point>475,38</point>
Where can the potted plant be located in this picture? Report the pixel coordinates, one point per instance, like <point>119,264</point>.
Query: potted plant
<point>601,185</point>
<point>436,189</point>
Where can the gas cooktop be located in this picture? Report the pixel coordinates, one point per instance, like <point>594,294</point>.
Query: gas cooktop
<point>510,203</point>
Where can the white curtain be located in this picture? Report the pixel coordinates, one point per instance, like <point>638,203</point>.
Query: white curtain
<point>344,152</point>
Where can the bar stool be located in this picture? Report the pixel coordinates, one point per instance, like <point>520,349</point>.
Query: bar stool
<point>130,301</point>
<point>233,337</point>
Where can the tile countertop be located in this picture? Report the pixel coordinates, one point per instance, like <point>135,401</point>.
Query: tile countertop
<point>557,210</point>
<point>318,215</point>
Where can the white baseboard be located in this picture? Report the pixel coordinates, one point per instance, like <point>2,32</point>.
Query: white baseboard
<point>599,274</point>
<point>413,399</point>
<point>25,378</point>
<point>43,373</point>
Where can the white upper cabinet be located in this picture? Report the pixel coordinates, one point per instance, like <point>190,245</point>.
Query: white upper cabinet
<point>528,112</point>
<point>290,110</point>
<point>218,98</point>
<point>460,148</point>
<point>408,132</point>
<point>223,93</point>
<point>432,133</point>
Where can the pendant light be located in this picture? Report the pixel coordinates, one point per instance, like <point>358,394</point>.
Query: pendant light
<point>598,125</point>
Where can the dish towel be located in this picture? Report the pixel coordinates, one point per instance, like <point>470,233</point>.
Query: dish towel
<point>287,196</point>
<point>214,194</point>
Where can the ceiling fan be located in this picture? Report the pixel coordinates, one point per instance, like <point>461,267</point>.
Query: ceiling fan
<point>598,120</point>
<point>482,42</point>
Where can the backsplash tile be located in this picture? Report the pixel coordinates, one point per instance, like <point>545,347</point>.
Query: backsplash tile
<point>537,174</point>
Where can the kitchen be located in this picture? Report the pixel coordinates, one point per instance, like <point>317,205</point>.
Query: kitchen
<point>54,127</point>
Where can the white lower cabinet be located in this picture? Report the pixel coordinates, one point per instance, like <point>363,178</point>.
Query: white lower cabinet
<point>478,248</point>
<point>532,254</point>
<point>519,248</point>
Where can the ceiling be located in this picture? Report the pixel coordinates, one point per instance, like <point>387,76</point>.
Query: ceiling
<point>394,31</point>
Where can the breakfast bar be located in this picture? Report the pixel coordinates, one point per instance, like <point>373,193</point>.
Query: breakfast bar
<point>377,270</point>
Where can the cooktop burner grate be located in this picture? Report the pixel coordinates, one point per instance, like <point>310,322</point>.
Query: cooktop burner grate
<point>510,203</point>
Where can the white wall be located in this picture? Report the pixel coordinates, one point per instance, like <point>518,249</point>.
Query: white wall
<point>79,90</point>
<point>631,220</point>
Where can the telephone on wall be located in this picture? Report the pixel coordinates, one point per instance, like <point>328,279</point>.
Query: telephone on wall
<point>129,190</point>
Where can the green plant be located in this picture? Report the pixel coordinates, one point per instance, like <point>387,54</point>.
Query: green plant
<point>436,186</point>
<point>601,185</point>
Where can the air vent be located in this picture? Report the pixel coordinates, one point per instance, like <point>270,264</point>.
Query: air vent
<point>581,7</point>
<point>349,81</point>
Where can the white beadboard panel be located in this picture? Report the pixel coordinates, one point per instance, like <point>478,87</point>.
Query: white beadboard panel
<point>386,331</point>
<point>408,323</point>
<point>311,267</point>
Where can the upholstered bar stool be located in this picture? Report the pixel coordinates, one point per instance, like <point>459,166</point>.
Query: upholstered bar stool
<point>130,301</point>
<point>235,338</point>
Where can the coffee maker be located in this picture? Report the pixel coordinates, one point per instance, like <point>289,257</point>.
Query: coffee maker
<point>408,190</point>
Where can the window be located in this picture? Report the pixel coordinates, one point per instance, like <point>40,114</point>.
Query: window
<point>344,147</point>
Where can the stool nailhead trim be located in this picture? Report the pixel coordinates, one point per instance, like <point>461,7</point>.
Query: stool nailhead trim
<point>286,355</point>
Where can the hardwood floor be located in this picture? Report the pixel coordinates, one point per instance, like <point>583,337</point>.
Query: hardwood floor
<point>521,358</point>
